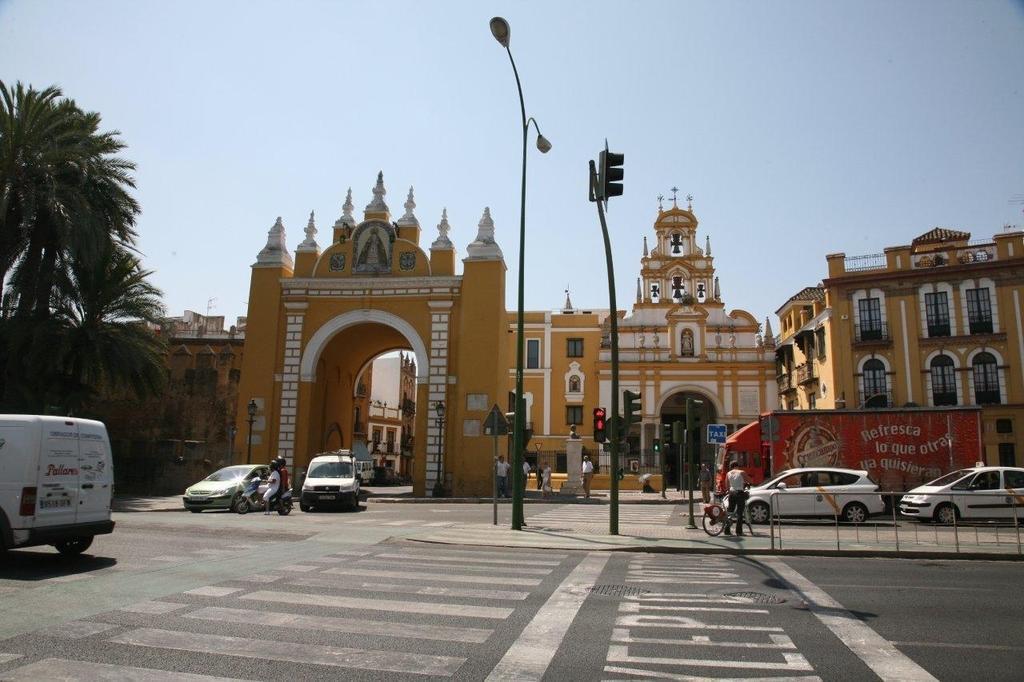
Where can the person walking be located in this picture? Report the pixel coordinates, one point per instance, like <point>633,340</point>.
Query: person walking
<point>540,475</point>
<point>705,482</point>
<point>501,468</point>
<point>588,475</point>
<point>526,475</point>
<point>738,482</point>
<point>545,479</point>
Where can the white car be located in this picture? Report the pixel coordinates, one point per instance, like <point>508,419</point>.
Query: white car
<point>847,493</point>
<point>975,493</point>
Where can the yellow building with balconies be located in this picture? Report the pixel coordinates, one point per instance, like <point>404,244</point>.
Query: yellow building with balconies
<point>937,322</point>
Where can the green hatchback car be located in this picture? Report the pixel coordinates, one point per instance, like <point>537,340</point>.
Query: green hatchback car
<point>219,489</point>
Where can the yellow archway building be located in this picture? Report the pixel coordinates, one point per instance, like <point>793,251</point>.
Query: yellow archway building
<point>316,320</point>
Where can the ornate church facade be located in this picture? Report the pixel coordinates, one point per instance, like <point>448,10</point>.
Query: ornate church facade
<point>318,318</point>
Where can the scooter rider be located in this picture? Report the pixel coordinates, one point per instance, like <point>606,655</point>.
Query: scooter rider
<point>282,468</point>
<point>273,488</point>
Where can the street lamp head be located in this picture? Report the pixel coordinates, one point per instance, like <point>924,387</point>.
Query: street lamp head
<point>252,408</point>
<point>500,30</point>
<point>543,144</point>
<point>439,409</point>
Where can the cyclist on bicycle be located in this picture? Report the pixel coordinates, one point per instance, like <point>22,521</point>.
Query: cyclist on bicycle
<point>738,483</point>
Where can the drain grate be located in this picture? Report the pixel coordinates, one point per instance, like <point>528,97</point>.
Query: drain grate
<point>756,597</point>
<point>617,590</point>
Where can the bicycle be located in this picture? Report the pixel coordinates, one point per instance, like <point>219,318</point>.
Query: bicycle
<point>717,516</point>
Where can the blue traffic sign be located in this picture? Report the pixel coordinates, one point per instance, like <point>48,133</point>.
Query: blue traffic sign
<point>716,434</point>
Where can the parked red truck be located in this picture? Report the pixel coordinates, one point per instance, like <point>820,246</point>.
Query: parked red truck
<point>900,448</point>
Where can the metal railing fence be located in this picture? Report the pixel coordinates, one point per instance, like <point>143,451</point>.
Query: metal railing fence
<point>987,521</point>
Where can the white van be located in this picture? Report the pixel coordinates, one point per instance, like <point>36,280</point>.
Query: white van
<point>56,481</point>
<point>331,480</point>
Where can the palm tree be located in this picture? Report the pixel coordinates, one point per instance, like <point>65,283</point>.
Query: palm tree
<point>73,298</point>
<point>100,330</point>
<point>62,191</point>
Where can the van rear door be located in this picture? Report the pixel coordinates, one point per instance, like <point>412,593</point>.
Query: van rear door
<point>57,496</point>
<point>95,472</point>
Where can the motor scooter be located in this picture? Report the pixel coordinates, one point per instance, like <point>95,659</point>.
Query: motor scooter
<point>251,499</point>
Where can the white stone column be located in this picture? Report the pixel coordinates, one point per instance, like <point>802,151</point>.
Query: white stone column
<point>573,465</point>
<point>295,314</point>
<point>437,390</point>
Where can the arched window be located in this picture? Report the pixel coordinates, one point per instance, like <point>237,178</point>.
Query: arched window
<point>876,390</point>
<point>574,384</point>
<point>943,380</point>
<point>986,379</point>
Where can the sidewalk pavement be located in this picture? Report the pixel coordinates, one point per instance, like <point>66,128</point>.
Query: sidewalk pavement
<point>555,531</point>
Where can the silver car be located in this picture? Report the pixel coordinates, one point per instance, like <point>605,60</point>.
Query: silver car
<point>848,494</point>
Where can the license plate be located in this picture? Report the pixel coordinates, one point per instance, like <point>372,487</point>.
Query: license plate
<point>55,504</point>
<point>326,497</point>
<point>199,499</point>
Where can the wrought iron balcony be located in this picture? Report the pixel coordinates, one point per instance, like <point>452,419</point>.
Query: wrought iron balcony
<point>981,326</point>
<point>872,331</point>
<point>938,329</point>
<point>879,399</point>
<point>785,382</point>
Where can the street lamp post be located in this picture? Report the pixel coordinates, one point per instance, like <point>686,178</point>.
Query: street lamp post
<point>232,432</point>
<point>501,32</point>
<point>251,409</point>
<point>439,422</point>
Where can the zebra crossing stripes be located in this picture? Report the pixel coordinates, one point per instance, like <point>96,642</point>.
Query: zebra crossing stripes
<point>425,627</point>
<point>295,652</point>
<point>443,633</point>
<point>346,602</point>
<point>86,671</point>
<point>444,577</point>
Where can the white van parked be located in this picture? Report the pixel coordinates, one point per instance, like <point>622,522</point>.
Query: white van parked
<point>56,481</point>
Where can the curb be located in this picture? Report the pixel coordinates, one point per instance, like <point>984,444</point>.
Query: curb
<point>864,554</point>
<point>488,500</point>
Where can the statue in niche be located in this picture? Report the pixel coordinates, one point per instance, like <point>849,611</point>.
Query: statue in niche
<point>572,432</point>
<point>372,249</point>
<point>686,344</point>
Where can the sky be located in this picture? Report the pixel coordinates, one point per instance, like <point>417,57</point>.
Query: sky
<point>800,128</point>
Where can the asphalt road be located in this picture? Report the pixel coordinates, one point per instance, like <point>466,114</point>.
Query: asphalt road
<point>354,596</point>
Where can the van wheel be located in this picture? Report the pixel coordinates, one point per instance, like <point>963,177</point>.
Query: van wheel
<point>855,512</point>
<point>73,546</point>
<point>758,512</point>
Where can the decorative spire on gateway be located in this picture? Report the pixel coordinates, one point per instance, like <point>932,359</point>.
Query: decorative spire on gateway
<point>275,253</point>
<point>346,212</point>
<point>378,205</point>
<point>484,247</point>
<point>310,242</point>
<point>409,218</point>
<point>442,241</point>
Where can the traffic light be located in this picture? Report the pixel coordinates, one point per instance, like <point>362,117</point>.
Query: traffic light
<point>599,424</point>
<point>510,417</point>
<point>657,445</point>
<point>694,419</point>
<point>666,433</point>
<point>632,409</point>
<point>677,432</point>
<point>610,172</point>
